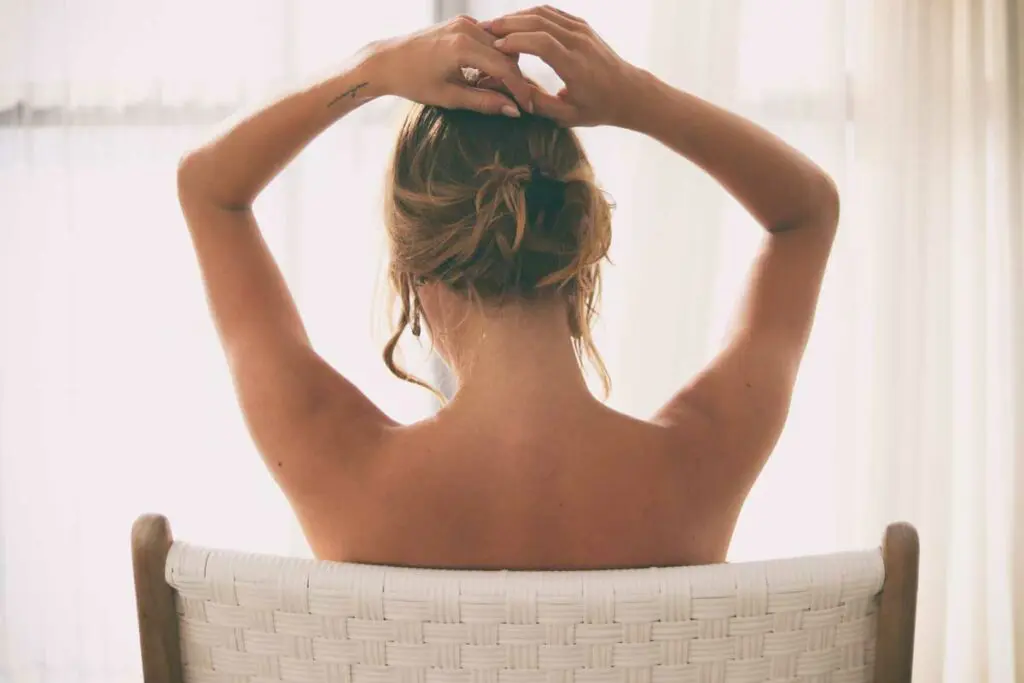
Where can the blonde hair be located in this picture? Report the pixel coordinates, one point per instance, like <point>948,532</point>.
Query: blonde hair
<point>499,209</point>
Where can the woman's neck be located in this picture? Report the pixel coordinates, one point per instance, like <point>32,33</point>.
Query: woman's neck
<point>520,357</point>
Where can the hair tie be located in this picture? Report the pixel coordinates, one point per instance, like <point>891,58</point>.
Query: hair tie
<point>545,191</point>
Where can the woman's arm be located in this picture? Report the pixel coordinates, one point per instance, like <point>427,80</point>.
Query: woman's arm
<point>287,392</point>
<point>217,185</point>
<point>745,391</point>
<point>780,187</point>
<point>743,395</point>
<point>282,384</point>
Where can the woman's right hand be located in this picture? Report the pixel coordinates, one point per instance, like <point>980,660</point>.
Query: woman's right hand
<point>601,88</point>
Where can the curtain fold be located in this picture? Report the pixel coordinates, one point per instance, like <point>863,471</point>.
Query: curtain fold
<point>114,398</point>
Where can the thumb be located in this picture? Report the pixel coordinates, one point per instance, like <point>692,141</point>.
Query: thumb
<point>554,107</point>
<point>479,99</point>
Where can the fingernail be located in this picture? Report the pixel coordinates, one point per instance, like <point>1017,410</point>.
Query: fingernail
<point>499,43</point>
<point>509,110</point>
<point>485,24</point>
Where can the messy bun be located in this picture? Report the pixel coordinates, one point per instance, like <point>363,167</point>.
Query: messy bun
<point>499,209</point>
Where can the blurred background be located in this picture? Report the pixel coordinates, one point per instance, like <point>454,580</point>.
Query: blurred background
<point>115,400</point>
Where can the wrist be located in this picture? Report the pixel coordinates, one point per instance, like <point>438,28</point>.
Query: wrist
<point>357,82</point>
<point>639,95</point>
<point>373,66</point>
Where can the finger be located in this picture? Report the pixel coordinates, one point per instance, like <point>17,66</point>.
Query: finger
<point>478,99</point>
<point>565,20</point>
<point>490,83</point>
<point>496,84</point>
<point>474,30</point>
<point>539,44</point>
<point>572,18</point>
<point>470,27</point>
<point>477,31</point>
<point>475,78</point>
<point>498,65</point>
<point>526,23</point>
<point>555,108</point>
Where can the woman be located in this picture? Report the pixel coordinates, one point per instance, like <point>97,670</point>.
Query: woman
<point>497,231</point>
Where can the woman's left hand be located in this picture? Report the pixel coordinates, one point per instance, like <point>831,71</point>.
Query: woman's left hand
<point>428,67</point>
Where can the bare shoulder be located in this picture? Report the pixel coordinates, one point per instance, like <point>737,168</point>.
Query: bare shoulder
<point>310,443</point>
<point>678,450</point>
<point>740,401</point>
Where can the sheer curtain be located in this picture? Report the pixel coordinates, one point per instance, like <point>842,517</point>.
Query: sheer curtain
<point>114,398</point>
<point>113,395</point>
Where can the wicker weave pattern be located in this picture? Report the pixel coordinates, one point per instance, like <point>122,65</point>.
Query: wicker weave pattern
<point>261,619</point>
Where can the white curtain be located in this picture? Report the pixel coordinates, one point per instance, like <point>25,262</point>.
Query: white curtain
<point>114,399</point>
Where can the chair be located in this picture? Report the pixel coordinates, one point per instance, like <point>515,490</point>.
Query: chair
<point>215,616</point>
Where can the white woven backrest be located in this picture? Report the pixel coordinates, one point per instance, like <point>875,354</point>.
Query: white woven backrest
<point>255,619</point>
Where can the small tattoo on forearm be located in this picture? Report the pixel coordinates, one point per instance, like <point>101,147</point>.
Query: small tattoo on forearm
<point>350,93</point>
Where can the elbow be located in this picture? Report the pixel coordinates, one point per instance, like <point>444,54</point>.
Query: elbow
<point>827,202</point>
<point>189,178</point>
<point>198,182</point>
<point>817,208</point>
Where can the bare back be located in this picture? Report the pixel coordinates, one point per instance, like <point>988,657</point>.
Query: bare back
<point>588,487</point>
